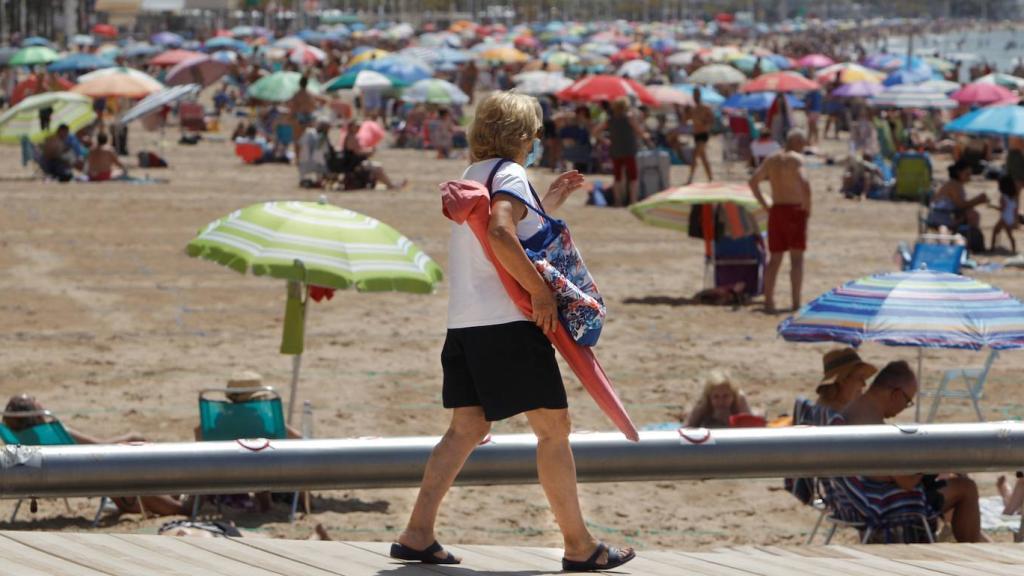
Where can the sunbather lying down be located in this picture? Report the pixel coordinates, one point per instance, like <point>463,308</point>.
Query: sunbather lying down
<point>28,405</point>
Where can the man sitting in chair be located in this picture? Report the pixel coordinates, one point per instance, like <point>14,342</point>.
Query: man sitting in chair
<point>893,391</point>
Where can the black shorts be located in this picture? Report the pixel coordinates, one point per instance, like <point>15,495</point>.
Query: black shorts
<point>701,137</point>
<point>506,369</point>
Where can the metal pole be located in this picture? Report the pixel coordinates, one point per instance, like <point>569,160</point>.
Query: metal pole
<point>287,465</point>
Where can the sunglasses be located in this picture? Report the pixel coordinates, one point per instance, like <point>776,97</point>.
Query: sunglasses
<point>909,399</point>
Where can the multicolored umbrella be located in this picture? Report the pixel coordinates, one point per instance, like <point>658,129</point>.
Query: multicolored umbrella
<point>314,245</point>
<point>306,55</point>
<point>605,88</point>
<point>671,96</point>
<point>708,95</point>
<point>351,79</point>
<point>780,82</point>
<point>912,97</point>
<point>23,119</point>
<point>671,208</point>
<point>858,90</point>
<point>368,55</point>
<point>993,121</point>
<point>33,55</point>
<point>405,70</point>
<point>203,70</point>
<point>919,308</point>
<point>435,91</point>
<point>848,73</point>
<point>747,64</point>
<point>280,87</point>
<point>713,74</point>
<point>504,54</point>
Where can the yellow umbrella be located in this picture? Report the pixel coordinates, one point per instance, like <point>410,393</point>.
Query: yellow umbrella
<point>505,54</point>
<point>848,74</point>
<point>373,54</point>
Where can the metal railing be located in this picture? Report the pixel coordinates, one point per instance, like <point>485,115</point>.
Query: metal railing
<point>286,465</point>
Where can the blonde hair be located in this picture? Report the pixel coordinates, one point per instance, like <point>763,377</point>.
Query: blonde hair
<point>620,106</point>
<point>503,121</point>
<point>702,410</point>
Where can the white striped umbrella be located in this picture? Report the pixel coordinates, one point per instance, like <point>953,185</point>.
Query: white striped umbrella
<point>315,244</point>
<point>72,109</point>
<point>912,97</point>
<point>157,100</point>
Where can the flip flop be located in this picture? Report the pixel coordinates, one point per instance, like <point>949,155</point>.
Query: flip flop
<point>426,556</point>
<point>616,558</point>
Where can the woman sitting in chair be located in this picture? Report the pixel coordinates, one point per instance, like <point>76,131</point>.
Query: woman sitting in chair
<point>23,403</point>
<point>950,206</point>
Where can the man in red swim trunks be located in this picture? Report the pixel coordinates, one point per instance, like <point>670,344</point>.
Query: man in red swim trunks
<point>787,216</point>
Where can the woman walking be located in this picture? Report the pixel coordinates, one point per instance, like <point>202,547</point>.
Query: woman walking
<point>497,362</point>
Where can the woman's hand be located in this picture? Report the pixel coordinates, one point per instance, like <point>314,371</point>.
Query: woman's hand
<point>545,310</point>
<point>562,188</point>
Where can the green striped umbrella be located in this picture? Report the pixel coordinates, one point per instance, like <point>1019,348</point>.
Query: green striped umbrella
<point>33,55</point>
<point>280,87</point>
<point>315,244</point>
<point>69,108</point>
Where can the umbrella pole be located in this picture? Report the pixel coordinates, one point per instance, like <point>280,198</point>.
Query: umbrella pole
<point>917,401</point>
<point>297,363</point>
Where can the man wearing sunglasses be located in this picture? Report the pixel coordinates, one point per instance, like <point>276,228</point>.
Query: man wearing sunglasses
<point>893,391</point>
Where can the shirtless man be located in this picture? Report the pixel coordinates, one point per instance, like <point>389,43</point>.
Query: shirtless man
<point>302,107</point>
<point>99,164</point>
<point>893,391</point>
<point>787,216</point>
<point>702,119</point>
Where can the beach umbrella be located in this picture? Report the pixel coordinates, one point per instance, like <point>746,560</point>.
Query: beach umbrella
<point>157,100</point>
<point>603,88</point>
<point>746,64</point>
<point>202,70</point>
<point>406,70</point>
<point>981,93</point>
<point>167,39</point>
<point>504,54</point>
<point>815,61</point>
<point>368,79</point>
<point>35,41</point>
<point>565,59</point>
<point>371,79</point>
<point>224,57</point>
<point>858,90</point>
<point>367,55</point>
<point>140,50</point>
<point>939,64</point>
<point>173,58</point>
<point>943,86</point>
<point>421,53</point>
<point>680,58</point>
<point>758,101</point>
<point>117,82</point>
<point>717,74</point>
<point>23,119</point>
<point>671,96</point>
<point>911,97</point>
<point>635,69</point>
<point>1004,80</point>
<point>33,55</point>
<point>6,52</point>
<point>541,82</point>
<point>907,76</point>
<point>708,94</point>
<point>435,91</point>
<point>848,73</point>
<point>79,62</point>
<point>1007,120</point>
<point>30,86</point>
<point>104,30</point>
<point>280,87</point>
<point>780,82</point>
<point>306,55</point>
<point>81,40</point>
<point>314,246</point>
<point>225,43</point>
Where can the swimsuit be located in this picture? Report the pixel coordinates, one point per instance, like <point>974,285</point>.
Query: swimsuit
<point>787,228</point>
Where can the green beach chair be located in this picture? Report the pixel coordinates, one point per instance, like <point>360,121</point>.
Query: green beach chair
<point>913,177</point>
<point>50,432</point>
<point>227,419</point>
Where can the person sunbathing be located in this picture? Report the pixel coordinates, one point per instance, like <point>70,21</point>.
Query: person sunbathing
<point>100,163</point>
<point>719,401</point>
<point>23,403</point>
<point>893,391</point>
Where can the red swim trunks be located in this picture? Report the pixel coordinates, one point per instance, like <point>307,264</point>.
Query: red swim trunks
<point>787,228</point>
<point>100,177</point>
<point>625,164</point>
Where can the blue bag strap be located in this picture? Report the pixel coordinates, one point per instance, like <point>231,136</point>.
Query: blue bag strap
<point>490,182</point>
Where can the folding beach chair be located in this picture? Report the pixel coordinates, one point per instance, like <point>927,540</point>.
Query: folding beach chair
<point>973,379</point>
<point>50,432</point>
<point>938,253</point>
<point>811,491</point>
<point>913,177</point>
<point>257,417</point>
<point>877,510</point>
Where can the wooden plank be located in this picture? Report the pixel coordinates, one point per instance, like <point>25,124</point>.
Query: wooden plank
<point>834,552</point>
<point>22,560</point>
<point>381,551</point>
<point>105,553</point>
<point>178,549</point>
<point>892,567</point>
<point>341,557</point>
<point>765,565</point>
<point>686,564</point>
<point>235,549</point>
<point>967,568</point>
<point>1010,553</point>
<point>963,552</point>
<point>641,565</point>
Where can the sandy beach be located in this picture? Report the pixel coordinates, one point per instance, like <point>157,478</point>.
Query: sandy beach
<point>108,322</point>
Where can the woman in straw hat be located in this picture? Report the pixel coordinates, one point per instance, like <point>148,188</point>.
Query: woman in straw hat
<point>845,376</point>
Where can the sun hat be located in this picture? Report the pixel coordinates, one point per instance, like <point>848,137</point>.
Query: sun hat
<point>244,379</point>
<point>839,363</point>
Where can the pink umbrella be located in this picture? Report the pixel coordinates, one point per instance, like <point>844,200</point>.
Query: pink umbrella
<point>981,93</point>
<point>307,55</point>
<point>780,82</point>
<point>173,57</point>
<point>202,70</point>
<point>370,134</point>
<point>815,61</point>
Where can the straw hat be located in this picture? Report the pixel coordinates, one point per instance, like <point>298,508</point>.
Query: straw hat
<point>840,363</point>
<point>244,379</point>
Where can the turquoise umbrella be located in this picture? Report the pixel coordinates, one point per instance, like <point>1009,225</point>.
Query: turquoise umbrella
<point>992,121</point>
<point>280,87</point>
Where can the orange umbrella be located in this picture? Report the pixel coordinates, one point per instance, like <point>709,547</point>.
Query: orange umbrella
<point>504,54</point>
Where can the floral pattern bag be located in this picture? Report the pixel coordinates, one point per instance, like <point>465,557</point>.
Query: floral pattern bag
<point>552,251</point>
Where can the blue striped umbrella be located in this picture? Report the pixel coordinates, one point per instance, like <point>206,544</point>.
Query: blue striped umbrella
<point>918,308</point>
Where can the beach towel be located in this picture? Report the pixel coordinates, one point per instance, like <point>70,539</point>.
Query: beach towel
<point>469,202</point>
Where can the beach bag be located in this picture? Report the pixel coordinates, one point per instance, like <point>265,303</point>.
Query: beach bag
<point>151,160</point>
<point>552,251</point>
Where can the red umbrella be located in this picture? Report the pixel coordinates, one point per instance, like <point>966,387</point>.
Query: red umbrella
<point>173,57</point>
<point>605,87</point>
<point>625,55</point>
<point>725,18</point>
<point>780,82</point>
<point>526,42</point>
<point>28,87</point>
<point>982,93</point>
<point>105,30</point>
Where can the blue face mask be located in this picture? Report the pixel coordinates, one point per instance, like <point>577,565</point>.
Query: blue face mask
<point>535,153</point>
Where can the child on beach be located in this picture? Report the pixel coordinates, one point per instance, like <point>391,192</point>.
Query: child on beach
<point>1008,205</point>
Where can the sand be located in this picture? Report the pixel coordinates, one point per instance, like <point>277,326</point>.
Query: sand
<point>108,322</point>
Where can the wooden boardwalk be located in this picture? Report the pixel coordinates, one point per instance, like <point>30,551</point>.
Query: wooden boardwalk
<point>72,554</point>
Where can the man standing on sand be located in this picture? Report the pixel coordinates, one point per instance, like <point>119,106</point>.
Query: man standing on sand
<point>302,107</point>
<point>702,119</point>
<point>787,216</point>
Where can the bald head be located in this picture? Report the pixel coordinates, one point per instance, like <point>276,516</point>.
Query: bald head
<point>896,386</point>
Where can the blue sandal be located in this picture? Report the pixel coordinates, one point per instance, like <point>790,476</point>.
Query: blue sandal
<point>426,556</point>
<point>616,558</point>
